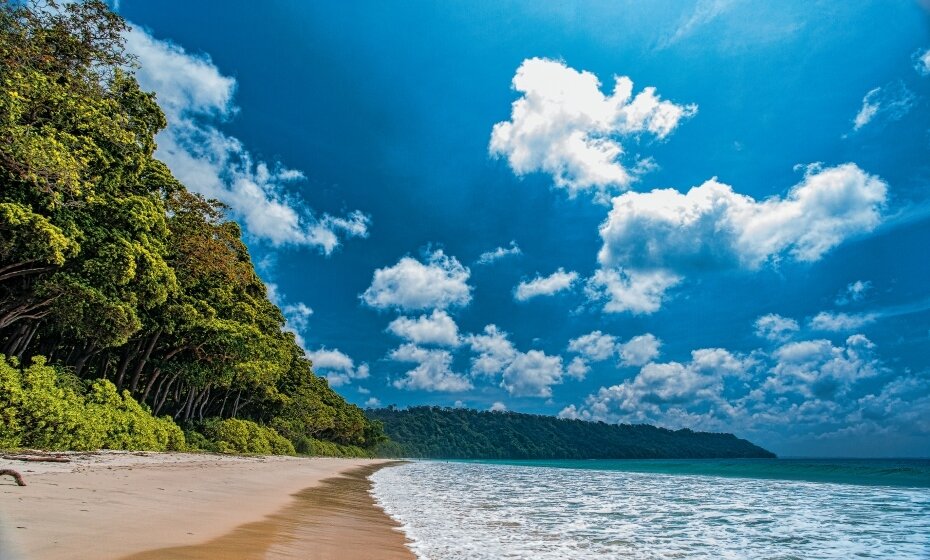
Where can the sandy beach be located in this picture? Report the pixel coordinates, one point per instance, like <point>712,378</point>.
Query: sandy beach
<point>168,505</point>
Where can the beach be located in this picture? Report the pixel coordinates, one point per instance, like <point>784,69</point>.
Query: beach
<point>141,506</point>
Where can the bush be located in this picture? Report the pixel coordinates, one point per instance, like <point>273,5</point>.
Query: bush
<point>243,436</point>
<point>45,408</point>
<point>317,448</point>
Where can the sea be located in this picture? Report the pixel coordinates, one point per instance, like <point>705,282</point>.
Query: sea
<point>657,509</point>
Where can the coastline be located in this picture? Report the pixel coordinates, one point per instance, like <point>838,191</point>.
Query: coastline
<point>121,505</point>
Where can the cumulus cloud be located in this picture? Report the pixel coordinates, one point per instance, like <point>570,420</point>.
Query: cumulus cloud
<point>578,368</point>
<point>840,322</point>
<point>594,346</point>
<point>627,290</point>
<point>498,407</point>
<point>432,373</point>
<point>439,283</point>
<point>854,292</point>
<point>803,389</point>
<point>499,253</point>
<point>639,350</point>
<point>545,285</point>
<point>437,328</point>
<point>890,102</point>
<point>297,315</point>
<point>197,98</point>
<point>522,373</point>
<point>775,327</point>
<point>651,240</point>
<point>372,402</point>
<point>338,368</point>
<point>565,126</point>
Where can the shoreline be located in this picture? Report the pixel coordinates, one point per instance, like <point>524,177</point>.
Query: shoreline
<point>124,505</point>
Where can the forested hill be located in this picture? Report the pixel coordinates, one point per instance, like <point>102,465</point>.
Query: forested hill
<point>459,433</point>
<point>119,284</point>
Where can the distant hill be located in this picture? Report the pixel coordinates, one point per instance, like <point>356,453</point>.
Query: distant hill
<point>460,433</point>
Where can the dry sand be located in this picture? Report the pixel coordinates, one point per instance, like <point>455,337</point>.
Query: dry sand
<point>147,506</point>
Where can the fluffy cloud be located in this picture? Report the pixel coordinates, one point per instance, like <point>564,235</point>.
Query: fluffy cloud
<point>627,290</point>
<point>437,328</point>
<point>499,253</point>
<point>639,350</point>
<point>805,390</point>
<point>890,102</point>
<point>372,402</point>
<point>545,285</point>
<point>440,283</point>
<point>650,240</point>
<point>297,315</point>
<point>578,368</point>
<point>775,327</point>
<point>522,373</point>
<point>338,368</point>
<point>196,97</point>
<point>432,373</point>
<point>594,346</point>
<point>565,126</point>
<point>839,322</point>
<point>854,292</point>
<point>498,407</point>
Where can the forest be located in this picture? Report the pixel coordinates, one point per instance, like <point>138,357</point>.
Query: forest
<point>461,433</point>
<point>131,316</point>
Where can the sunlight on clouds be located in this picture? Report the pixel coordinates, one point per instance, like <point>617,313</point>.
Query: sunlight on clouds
<point>653,239</point>
<point>565,126</point>
<point>438,328</point>
<point>545,285</point>
<point>439,283</point>
<point>432,373</point>
<point>196,97</point>
<point>530,374</point>
<point>775,327</point>
<point>338,368</point>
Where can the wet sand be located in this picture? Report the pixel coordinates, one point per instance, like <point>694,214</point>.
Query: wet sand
<point>334,520</point>
<point>154,505</point>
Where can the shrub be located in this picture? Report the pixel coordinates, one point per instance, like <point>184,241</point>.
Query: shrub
<point>244,436</point>
<point>45,408</point>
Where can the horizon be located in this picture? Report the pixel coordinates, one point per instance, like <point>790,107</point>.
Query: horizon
<point>488,206</point>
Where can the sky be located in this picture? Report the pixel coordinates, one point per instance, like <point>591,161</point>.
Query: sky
<point>712,214</point>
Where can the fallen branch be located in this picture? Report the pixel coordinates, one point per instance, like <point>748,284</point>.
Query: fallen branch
<point>37,458</point>
<point>16,476</point>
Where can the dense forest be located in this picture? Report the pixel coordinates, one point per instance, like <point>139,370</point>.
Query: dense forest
<point>124,296</point>
<point>461,433</point>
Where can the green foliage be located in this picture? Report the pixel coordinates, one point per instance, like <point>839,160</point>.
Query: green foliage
<point>243,436</point>
<point>42,407</point>
<point>460,433</point>
<point>317,448</point>
<point>114,270</point>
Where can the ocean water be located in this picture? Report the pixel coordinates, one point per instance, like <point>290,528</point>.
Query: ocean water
<point>774,509</point>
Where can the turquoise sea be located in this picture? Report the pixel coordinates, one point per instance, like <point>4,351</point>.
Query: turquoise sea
<point>657,509</point>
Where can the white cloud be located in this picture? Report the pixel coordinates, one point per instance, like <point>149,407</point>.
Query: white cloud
<point>639,350</point>
<point>440,283</point>
<point>594,346</point>
<point>532,374</point>
<point>565,126</point>
<point>890,102</point>
<point>630,290</point>
<point>522,373</point>
<point>775,327</point>
<point>297,315</point>
<point>196,97</point>
<point>838,322</point>
<point>817,368</point>
<point>372,402</point>
<point>650,240</point>
<point>854,292</point>
<point>499,253</point>
<point>545,285</point>
<point>437,328</point>
<point>432,373</point>
<point>922,62</point>
<point>577,368</point>
<point>498,407</point>
<point>338,368</point>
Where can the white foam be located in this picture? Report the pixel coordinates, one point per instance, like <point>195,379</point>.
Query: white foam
<point>454,511</point>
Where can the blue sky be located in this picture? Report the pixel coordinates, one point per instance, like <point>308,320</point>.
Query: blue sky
<point>708,214</point>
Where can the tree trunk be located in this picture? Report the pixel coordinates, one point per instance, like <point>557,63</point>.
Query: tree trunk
<point>148,387</point>
<point>164,396</point>
<point>130,351</point>
<point>139,367</point>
